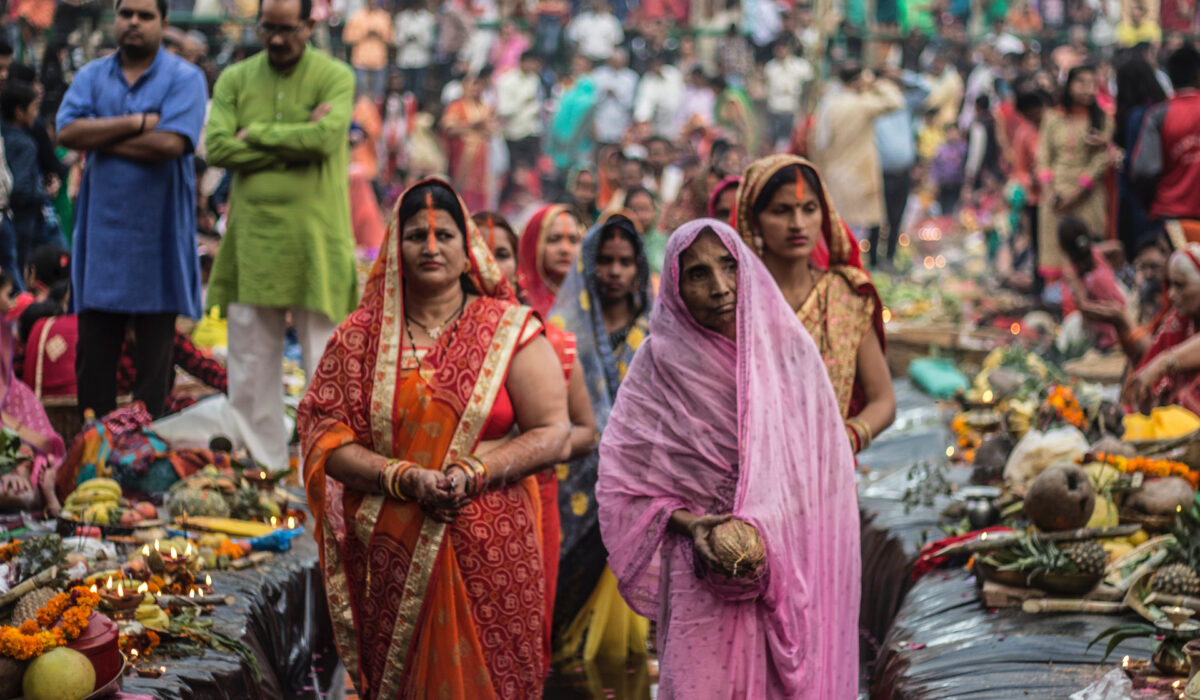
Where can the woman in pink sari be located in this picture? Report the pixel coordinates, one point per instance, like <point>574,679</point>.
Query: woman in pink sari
<point>727,411</point>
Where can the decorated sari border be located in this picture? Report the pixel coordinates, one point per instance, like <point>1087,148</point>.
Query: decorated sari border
<point>429,542</point>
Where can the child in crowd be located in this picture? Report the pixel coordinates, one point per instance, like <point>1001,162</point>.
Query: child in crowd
<point>947,170</point>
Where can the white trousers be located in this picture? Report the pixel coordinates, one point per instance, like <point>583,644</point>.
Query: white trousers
<point>255,366</point>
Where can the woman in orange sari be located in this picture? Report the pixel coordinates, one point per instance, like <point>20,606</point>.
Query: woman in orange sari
<point>783,210</point>
<point>426,513</point>
<point>467,127</point>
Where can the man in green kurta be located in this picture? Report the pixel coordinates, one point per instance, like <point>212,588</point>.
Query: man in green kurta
<point>280,122</point>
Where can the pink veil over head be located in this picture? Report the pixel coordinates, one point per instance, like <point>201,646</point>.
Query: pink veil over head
<point>752,429</point>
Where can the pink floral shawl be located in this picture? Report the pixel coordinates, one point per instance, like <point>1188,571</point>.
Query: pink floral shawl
<point>752,429</point>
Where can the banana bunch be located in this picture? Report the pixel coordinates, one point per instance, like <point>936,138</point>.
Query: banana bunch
<point>152,616</point>
<point>93,501</point>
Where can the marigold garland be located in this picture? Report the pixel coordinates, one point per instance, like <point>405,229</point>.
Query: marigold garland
<point>1062,399</point>
<point>70,609</point>
<point>9,550</point>
<point>1150,467</point>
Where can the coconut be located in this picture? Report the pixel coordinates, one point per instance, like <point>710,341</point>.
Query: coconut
<point>59,674</point>
<point>1061,498</point>
<point>1161,496</point>
<point>739,548</point>
<point>11,671</point>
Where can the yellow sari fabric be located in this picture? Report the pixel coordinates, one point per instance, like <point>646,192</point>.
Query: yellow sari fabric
<point>843,305</point>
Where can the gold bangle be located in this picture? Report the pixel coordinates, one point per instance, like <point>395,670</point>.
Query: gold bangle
<point>390,478</point>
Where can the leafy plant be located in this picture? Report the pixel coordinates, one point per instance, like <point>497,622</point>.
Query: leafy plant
<point>926,481</point>
<point>41,553</point>
<point>1185,548</point>
<point>1132,630</point>
<point>199,633</point>
<point>1032,555</point>
<point>10,451</point>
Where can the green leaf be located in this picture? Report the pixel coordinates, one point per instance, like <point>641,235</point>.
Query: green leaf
<point>1120,633</point>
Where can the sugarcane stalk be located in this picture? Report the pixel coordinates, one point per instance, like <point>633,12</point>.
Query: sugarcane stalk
<point>253,559</point>
<point>46,576</point>
<point>1145,568</point>
<point>1071,605</point>
<point>1181,601</point>
<point>195,600</point>
<point>988,542</point>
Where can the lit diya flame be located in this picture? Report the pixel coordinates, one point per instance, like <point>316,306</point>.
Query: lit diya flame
<point>982,536</point>
<point>174,554</point>
<point>120,590</point>
<point>144,588</point>
<point>156,545</point>
<point>262,475</point>
<point>1125,661</point>
<point>188,550</point>
<point>191,592</point>
<point>146,550</point>
<point>94,589</point>
<point>208,579</point>
<point>109,584</point>
<point>274,521</point>
<point>291,522</point>
<point>133,653</point>
<point>949,451</point>
<point>987,396</point>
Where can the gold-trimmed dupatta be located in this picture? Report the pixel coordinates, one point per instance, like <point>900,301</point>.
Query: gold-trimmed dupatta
<point>843,305</point>
<point>359,394</point>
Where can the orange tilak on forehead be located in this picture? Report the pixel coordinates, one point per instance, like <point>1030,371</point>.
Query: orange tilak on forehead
<point>491,231</point>
<point>799,186</point>
<point>432,214</point>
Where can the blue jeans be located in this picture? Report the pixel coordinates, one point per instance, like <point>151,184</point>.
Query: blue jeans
<point>371,81</point>
<point>29,224</point>
<point>8,253</point>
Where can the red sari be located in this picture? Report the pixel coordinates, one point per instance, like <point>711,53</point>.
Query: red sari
<point>540,294</point>
<point>422,609</point>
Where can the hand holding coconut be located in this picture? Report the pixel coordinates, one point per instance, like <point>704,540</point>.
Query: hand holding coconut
<point>727,546</point>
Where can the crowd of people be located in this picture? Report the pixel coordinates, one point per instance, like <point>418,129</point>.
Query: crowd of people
<point>619,291</point>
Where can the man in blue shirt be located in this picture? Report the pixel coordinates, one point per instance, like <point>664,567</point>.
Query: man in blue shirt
<point>138,114</point>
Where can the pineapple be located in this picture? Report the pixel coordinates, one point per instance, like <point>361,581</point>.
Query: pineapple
<point>1179,577</point>
<point>1176,579</point>
<point>1088,557</point>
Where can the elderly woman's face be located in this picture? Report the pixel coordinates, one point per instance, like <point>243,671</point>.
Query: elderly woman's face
<point>1183,285</point>
<point>432,260</point>
<point>708,284</point>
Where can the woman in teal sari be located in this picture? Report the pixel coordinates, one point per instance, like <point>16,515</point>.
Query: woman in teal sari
<point>571,142</point>
<point>605,301</point>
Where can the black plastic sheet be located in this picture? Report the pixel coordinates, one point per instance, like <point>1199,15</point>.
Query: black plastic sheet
<point>281,614</point>
<point>945,644</point>
<point>940,641</point>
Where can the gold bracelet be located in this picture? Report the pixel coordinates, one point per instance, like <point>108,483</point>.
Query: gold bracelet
<point>390,478</point>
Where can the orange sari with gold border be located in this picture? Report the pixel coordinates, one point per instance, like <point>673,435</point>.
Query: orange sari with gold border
<point>422,609</point>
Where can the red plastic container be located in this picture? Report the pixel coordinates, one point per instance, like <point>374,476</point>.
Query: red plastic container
<point>99,643</point>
